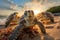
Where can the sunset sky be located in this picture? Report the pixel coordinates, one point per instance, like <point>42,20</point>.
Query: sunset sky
<point>9,6</point>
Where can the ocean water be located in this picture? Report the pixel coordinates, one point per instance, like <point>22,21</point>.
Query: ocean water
<point>2,19</point>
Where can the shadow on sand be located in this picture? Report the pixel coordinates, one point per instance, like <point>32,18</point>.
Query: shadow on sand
<point>48,37</point>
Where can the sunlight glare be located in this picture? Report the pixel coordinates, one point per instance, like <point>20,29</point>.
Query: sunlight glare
<point>36,12</point>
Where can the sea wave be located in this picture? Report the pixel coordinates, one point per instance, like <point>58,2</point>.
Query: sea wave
<point>2,21</point>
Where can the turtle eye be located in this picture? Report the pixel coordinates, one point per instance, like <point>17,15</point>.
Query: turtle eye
<point>26,14</point>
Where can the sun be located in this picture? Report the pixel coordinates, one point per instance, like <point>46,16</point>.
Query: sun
<point>36,12</point>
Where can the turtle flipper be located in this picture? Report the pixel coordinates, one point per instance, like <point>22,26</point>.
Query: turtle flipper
<point>15,33</point>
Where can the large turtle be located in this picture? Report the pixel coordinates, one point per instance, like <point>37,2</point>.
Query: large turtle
<point>26,26</point>
<point>46,17</point>
<point>12,19</point>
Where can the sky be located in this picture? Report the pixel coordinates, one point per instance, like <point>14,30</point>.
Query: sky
<point>10,6</point>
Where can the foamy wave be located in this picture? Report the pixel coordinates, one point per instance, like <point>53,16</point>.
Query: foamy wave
<point>2,21</point>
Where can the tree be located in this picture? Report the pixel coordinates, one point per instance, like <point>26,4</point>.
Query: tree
<point>55,9</point>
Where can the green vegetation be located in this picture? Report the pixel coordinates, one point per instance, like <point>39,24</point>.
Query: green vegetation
<point>55,9</point>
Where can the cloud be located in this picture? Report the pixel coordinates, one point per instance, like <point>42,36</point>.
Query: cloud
<point>6,8</point>
<point>9,2</point>
<point>35,5</point>
<point>11,5</point>
<point>43,4</point>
